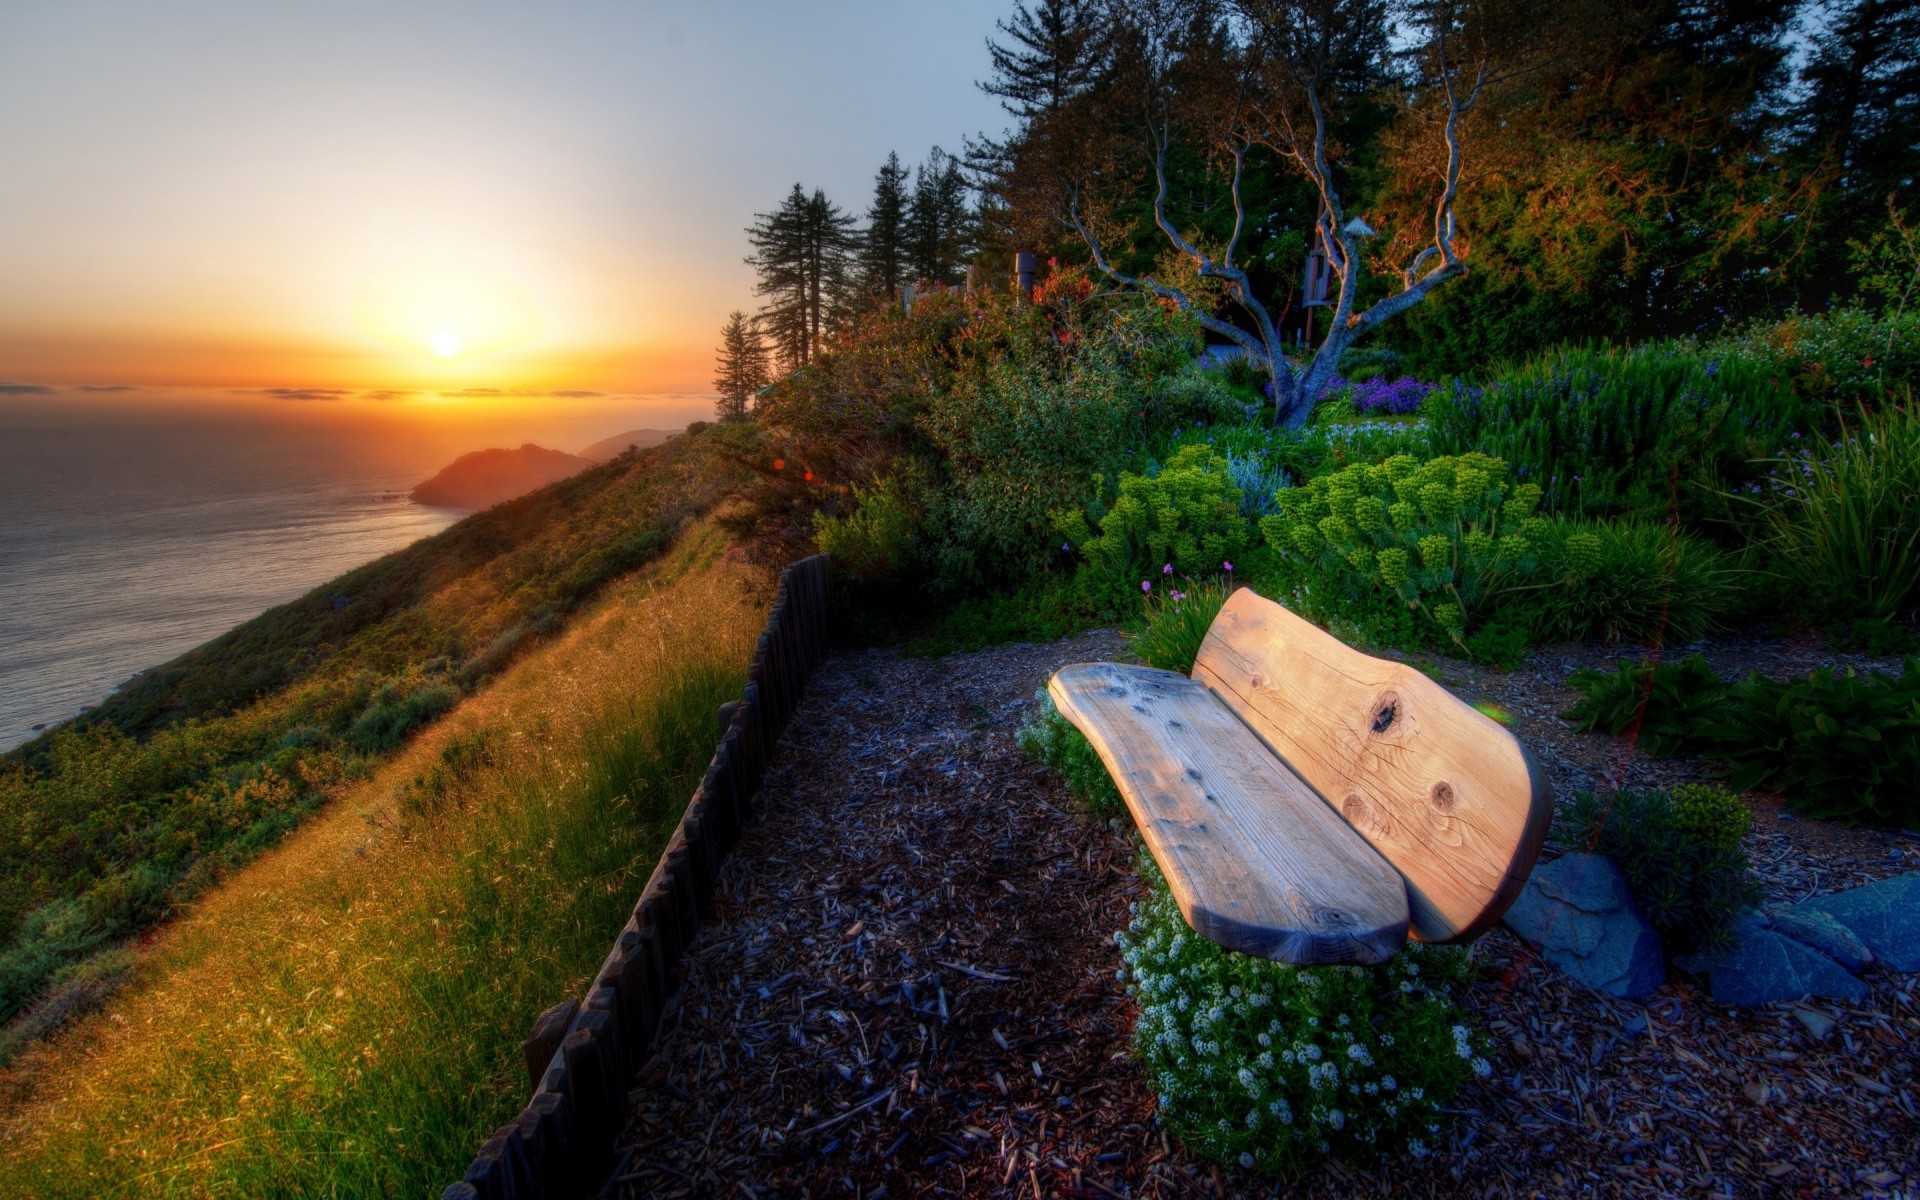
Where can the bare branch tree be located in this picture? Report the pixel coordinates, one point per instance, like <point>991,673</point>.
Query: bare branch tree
<point>1275,89</point>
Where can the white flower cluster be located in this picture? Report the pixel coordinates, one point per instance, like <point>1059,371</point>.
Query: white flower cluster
<point>1268,1065</point>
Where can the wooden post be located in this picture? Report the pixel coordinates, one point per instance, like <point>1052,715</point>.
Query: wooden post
<point>548,1028</point>
<point>544,1132</point>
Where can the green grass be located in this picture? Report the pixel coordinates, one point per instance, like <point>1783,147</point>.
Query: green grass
<point>343,1016</point>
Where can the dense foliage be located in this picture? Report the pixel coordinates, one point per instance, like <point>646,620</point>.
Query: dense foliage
<point>1681,853</point>
<point>1051,740</point>
<point>1271,1067</point>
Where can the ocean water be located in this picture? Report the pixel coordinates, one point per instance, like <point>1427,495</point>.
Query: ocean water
<point>129,536</point>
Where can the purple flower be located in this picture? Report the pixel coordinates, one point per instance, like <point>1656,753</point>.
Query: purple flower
<point>1067,547</point>
<point>1167,570</point>
<point>1227,567</point>
<point>1146,585</point>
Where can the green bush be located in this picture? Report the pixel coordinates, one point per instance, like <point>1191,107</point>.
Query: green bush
<point>1051,740</point>
<point>1646,432</point>
<point>874,540</point>
<point>1681,853</point>
<point>1844,357</point>
<point>1671,702</point>
<point>1186,516</point>
<point>1838,745</point>
<point>1844,518</point>
<point>391,717</point>
<point>1271,1067</point>
<point>1173,623</point>
<point>1629,581</point>
<point>1444,536</point>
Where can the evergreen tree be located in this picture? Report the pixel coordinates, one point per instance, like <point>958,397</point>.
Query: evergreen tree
<point>741,369</point>
<point>803,252</point>
<point>939,224</point>
<point>883,250</point>
<point>1054,51</point>
<point>1860,110</point>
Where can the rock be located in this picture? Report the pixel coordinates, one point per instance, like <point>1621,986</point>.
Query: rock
<point>1818,1024</point>
<point>1578,912</point>
<point>1884,915</point>
<point>1765,967</point>
<point>1811,927</point>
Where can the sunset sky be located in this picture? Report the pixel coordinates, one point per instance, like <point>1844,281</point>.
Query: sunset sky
<point>401,196</point>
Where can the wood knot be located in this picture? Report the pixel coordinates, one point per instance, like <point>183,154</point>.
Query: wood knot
<point>1354,808</point>
<point>1442,796</point>
<point>1385,712</point>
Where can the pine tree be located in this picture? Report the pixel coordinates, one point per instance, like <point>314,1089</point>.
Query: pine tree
<point>1055,51</point>
<point>939,225</point>
<point>803,252</point>
<point>741,369</point>
<point>883,251</point>
<point>1861,103</point>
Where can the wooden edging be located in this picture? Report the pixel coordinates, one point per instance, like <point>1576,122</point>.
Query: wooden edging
<point>580,1054</point>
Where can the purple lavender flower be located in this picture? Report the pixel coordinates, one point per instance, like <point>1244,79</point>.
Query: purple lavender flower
<point>1146,585</point>
<point>1227,567</point>
<point>1167,570</point>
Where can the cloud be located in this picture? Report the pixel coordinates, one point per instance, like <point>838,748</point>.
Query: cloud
<point>576,394</point>
<point>108,387</point>
<point>487,392</point>
<point>282,393</point>
<point>385,394</point>
<point>24,389</point>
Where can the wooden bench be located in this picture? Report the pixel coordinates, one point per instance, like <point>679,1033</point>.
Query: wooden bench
<point>1310,803</point>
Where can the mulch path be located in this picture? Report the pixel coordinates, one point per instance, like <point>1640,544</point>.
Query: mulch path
<point>909,991</point>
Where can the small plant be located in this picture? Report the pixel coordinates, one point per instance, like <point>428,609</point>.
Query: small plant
<point>1271,1067</point>
<point>1444,536</point>
<point>874,540</point>
<point>1671,703</point>
<point>1681,853</point>
<point>1052,740</point>
<point>1259,480</point>
<point>391,717</point>
<point>1630,581</point>
<point>1187,515</point>
<point>1173,623</point>
<point>1838,745</point>
<point>1844,519</point>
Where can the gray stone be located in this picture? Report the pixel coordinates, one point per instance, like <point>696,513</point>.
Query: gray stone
<point>1764,967</point>
<point>1819,1025</point>
<point>1884,915</point>
<point>1578,912</point>
<point>1811,927</point>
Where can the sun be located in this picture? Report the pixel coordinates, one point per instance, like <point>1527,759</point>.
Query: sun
<point>446,312</point>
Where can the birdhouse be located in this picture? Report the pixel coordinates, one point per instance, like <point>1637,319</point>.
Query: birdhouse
<point>1318,282</point>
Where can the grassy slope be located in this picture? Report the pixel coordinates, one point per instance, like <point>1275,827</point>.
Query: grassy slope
<point>342,1016</point>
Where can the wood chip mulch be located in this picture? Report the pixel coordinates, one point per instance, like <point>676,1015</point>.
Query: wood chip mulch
<point>910,991</point>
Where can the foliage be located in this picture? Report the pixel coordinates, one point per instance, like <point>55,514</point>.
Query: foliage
<point>1629,581</point>
<point>1843,518</point>
<point>1838,745</point>
<point>1186,516</point>
<point>1173,623</point>
<point>1051,740</point>
<point>1664,704</point>
<point>1844,357</point>
<point>1445,536</point>
<point>392,715</point>
<point>876,539</point>
<point>1272,1067</point>
<point>1681,853</point>
<point>741,369</point>
<point>1646,432</point>
<point>1259,482</point>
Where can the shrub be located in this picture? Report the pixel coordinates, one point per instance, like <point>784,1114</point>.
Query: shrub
<point>1271,1067</point>
<point>873,541</point>
<point>1622,581</point>
<point>1173,623</point>
<point>1641,432</point>
<point>390,718</point>
<point>1844,519</point>
<point>1397,397</point>
<point>1670,701</point>
<point>1844,357</point>
<point>1259,481</point>
<point>1681,854</point>
<point>1186,516</point>
<point>1443,536</point>
<point>1838,745</point>
<point>1053,741</point>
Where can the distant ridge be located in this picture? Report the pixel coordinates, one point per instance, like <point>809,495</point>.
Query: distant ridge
<point>607,448</point>
<point>489,477</point>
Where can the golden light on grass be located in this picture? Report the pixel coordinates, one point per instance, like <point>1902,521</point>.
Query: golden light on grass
<point>342,1016</point>
<point>446,312</point>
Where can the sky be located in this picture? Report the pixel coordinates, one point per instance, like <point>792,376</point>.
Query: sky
<point>361,202</point>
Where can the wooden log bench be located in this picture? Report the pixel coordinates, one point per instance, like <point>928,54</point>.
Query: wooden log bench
<point>1310,803</point>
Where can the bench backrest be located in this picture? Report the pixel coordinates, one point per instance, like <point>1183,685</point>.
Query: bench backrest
<point>1442,791</point>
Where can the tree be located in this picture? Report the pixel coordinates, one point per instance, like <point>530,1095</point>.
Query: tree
<point>1054,51</point>
<point>1860,105</point>
<point>939,223</point>
<point>741,369</point>
<point>1272,75</point>
<point>803,252</point>
<point>883,249</point>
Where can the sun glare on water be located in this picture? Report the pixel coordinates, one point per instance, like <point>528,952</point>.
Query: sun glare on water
<point>445,313</point>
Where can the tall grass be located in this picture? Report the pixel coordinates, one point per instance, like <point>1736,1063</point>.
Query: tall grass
<point>1844,519</point>
<point>343,1016</point>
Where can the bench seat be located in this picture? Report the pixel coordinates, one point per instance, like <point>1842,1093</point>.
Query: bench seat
<point>1310,803</point>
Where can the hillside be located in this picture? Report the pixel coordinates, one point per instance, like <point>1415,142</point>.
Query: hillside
<point>485,478</point>
<point>640,439</point>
